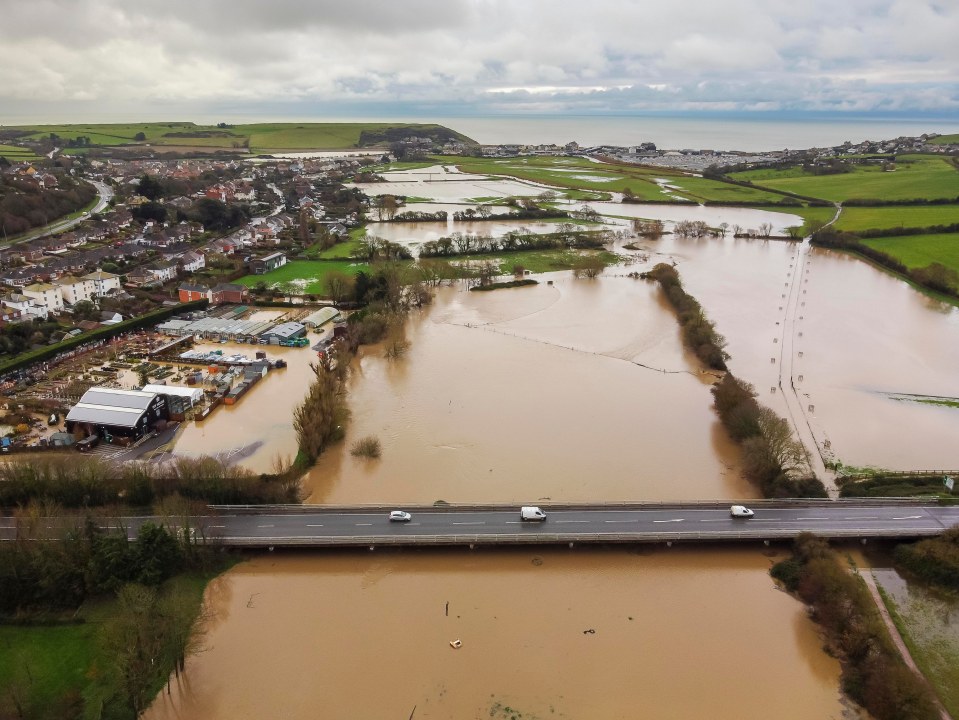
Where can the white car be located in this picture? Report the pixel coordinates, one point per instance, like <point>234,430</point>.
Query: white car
<point>400,516</point>
<point>740,511</point>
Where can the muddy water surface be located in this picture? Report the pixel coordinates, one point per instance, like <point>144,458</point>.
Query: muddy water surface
<point>860,339</point>
<point>556,634</point>
<point>579,390</point>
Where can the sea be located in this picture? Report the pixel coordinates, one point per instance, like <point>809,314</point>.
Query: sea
<point>756,133</point>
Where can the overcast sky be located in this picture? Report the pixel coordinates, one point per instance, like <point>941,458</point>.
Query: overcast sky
<point>449,57</point>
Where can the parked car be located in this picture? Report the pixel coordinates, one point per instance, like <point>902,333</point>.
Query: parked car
<point>400,516</point>
<point>740,511</point>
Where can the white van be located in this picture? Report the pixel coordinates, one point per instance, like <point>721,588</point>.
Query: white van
<point>740,511</point>
<point>531,513</point>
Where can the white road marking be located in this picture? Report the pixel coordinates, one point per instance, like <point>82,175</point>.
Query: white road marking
<point>217,527</point>
<point>863,517</point>
<point>621,521</point>
<point>908,517</point>
<point>265,526</point>
<point>467,523</point>
<point>364,524</point>
<point>720,520</point>
<point>514,522</point>
<point>815,518</point>
<point>308,525</point>
<point>675,520</point>
<point>571,521</point>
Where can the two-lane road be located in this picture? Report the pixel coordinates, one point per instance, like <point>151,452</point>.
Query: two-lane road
<point>304,526</point>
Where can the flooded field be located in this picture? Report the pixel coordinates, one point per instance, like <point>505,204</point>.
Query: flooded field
<point>930,619</point>
<point>575,391</point>
<point>444,184</point>
<point>671,634</point>
<point>861,338</point>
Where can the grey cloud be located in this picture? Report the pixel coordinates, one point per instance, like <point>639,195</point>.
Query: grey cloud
<point>750,54</point>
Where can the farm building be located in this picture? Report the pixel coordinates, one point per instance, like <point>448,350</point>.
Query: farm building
<point>286,331</point>
<point>321,317</point>
<point>109,413</point>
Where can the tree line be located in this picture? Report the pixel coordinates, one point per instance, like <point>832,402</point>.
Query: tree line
<point>699,334</point>
<point>75,482</point>
<point>873,672</point>
<point>567,236</point>
<point>772,458</point>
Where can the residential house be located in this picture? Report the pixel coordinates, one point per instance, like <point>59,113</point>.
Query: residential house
<point>192,261</point>
<point>190,291</point>
<point>47,295</point>
<point>19,277</point>
<point>260,266</point>
<point>108,317</point>
<point>163,271</point>
<point>75,289</point>
<point>230,293</point>
<point>29,308</point>
<point>104,283</point>
<point>142,277</point>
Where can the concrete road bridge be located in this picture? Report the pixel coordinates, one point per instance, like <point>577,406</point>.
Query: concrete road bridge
<point>448,525</point>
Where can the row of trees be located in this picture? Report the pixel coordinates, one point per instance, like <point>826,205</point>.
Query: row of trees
<point>567,236</point>
<point>699,334</point>
<point>772,458</point>
<point>90,482</point>
<point>873,672</point>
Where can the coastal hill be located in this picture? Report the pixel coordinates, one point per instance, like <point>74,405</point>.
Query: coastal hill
<point>257,138</point>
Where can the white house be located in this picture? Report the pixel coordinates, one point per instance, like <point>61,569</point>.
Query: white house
<point>192,261</point>
<point>46,295</point>
<point>104,282</point>
<point>75,289</point>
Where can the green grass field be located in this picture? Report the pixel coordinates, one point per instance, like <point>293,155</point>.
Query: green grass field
<point>859,218</point>
<point>915,176</point>
<point>14,153</point>
<point>581,174</point>
<point>262,137</point>
<point>307,277</point>
<point>916,251</point>
<point>945,140</point>
<point>54,666</point>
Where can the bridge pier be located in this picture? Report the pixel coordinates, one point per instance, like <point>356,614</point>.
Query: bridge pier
<point>863,540</point>
<point>472,546</point>
<point>571,546</point>
<point>372,548</point>
<point>766,543</point>
<point>669,543</point>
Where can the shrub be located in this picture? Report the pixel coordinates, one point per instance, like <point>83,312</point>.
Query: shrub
<point>368,447</point>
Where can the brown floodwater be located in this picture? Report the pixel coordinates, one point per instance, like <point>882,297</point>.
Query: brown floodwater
<point>862,338</point>
<point>580,390</point>
<point>665,634</point>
